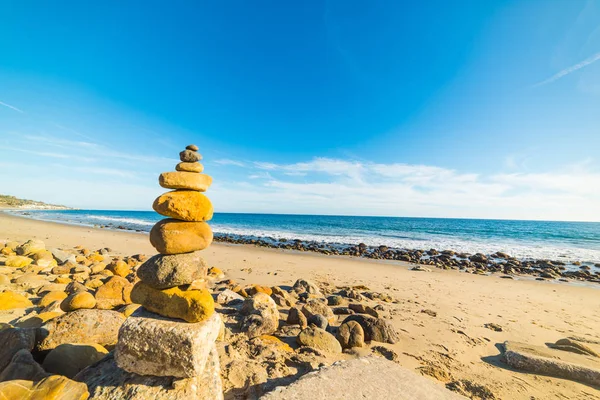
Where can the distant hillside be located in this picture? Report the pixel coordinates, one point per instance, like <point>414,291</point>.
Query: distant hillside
<point>7,201</point>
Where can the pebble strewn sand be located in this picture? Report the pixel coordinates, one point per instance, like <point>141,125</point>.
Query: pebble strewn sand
<point>450,324</point>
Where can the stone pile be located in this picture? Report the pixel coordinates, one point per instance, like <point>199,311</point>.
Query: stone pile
<point>173,334</point>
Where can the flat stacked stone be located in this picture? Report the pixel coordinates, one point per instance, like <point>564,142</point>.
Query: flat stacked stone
<point>174,332</point>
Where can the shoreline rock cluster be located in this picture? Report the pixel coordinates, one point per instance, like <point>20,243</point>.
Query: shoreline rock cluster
<point>445,259</point>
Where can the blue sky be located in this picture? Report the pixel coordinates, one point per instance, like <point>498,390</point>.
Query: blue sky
<point>484,109</point>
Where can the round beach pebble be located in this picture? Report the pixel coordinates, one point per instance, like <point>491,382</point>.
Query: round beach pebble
<point>185,180</point>
<point>171,236</point>
<point>165,271</point>
<point>189,156</point>
<point>190,167</point>
<point>175,302</point>
<point>77,301</point>
<point>185,205</point>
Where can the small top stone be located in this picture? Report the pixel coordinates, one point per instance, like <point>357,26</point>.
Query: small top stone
<point>191,147</point>
<point>189,156</point>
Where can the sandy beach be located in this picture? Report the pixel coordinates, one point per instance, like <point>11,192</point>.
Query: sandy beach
<point>448,342</point>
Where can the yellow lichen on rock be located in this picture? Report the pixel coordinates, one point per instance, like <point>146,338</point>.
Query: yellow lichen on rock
<point>78,300</point>
<point>18,261</point>
<point>54,387</point>
<point>253,289</point>
<point>119,268</point>
<point>185,205</point>
<point>51,297</point>
<point>10,300</point>
<point>277,342</point>
<point>215,273</point>
<point>176,302</point>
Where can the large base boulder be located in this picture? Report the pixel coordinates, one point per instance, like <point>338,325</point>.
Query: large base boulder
<point>150,344</point>
<point>106,381</point>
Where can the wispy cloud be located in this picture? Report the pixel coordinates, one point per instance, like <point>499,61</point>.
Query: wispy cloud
<point>226,161</point>
<point>569,70</point>
<point>41,153</point>
<point>336,186</point>
<point>12,107</point>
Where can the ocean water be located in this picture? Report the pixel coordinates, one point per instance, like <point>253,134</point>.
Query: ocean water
<point>564,241</point>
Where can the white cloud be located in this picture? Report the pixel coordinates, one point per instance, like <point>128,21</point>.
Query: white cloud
<point>332,186</point>
<point>12,107</point>
<point>225,161</point>
<point>569,70</point>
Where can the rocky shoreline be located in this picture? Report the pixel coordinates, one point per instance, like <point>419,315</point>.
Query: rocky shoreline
<point>482,264</point>
<point>478,263</point>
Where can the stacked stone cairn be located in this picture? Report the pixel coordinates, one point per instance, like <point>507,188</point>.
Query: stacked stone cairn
<point>174,332</point>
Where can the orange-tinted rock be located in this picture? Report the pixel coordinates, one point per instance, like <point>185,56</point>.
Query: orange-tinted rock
<point>185,180</point>
<point>185,205</point>
<point>171,236</point>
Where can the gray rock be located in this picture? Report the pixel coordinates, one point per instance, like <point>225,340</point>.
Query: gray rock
<point>23,366</point>
<point>297,317</point>
<point>189,156</point>
<point>363,309</point>
<point>351,334</point>
<point>318,306</point>
<point>70,358</point>
<point>376,329</point>
<point>106,381</point>
<point>227,296</point>
<point>260,315</point>
<point>150,344</point>
<point>191,147</point>
<point>319,339</point>
<point>303,285</point>
<point>75,287</point>
<point>336,300</point>
<point>30,247</point>
<point>12,340</point>
<point>62,257</point>
<point>166,271</point>
<point>557,363</point>
<point>363,378</point>
<point>319,321</point>
<point>93,326</point>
